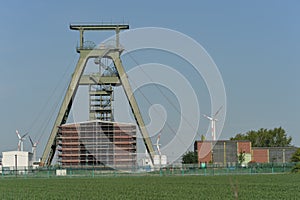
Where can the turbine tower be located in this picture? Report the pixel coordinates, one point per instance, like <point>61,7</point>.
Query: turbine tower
<point>157,145</point>
<point>33,145</point>
<point>21,139</point>
<point>158,149</point>
<point>213,121</point>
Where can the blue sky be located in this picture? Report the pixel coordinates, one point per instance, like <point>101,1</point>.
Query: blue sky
<point>255,45</point>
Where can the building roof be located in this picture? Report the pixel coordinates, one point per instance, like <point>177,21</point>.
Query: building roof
<point>16,152</point>
<point>290,147</point>
<point>223,141</point>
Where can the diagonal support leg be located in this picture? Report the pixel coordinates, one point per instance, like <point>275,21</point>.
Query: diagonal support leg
<point>132,101</point>
<point>67,104</point>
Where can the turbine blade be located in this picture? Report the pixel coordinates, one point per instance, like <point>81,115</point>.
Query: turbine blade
<point>17,132</point>
<point>157,144</point>
<point>32,144</point>
<point>218,111</point>
<point>158,138</point>
<point>25,135</point>
<point>210,118</point>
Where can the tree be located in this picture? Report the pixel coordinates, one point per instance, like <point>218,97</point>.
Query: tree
<point>296,169</point>
<point>266,138</point>
<point>241,157</point>
<point>190,157</point>
<point>296,156</point>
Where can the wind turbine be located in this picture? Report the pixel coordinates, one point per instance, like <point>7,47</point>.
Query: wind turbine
<point>157,145</point>
<point>21,139</point>
<point>158,150</point>
<point>33,145</point>
<point>213,121</point>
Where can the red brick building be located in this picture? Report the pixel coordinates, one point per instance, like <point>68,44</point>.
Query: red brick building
<point>273,154</point>
<point>222,152</point>
<point>226,152</point>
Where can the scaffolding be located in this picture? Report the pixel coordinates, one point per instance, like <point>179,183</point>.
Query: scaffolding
<point>98,143</point>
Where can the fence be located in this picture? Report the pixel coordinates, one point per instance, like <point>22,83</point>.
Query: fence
<point>174,170</point>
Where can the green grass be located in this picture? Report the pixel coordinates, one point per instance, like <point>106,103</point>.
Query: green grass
<point>280,186</point>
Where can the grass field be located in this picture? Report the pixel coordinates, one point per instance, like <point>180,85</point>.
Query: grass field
<point>280,186</point>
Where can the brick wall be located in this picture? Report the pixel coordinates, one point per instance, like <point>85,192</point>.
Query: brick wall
<point>260,155</point>
<point>204,151</point>
<point>244,147</point>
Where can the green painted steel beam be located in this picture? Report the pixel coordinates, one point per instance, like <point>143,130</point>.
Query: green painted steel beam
<point>100,93</point>
<point>66,106</point>
<point>133,104</point>
<point>98,27</point>
<point>97,79</point>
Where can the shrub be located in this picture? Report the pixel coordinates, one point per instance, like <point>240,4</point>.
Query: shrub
<point>296,168</point>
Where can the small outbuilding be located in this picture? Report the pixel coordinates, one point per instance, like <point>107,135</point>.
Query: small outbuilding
<point>20,161</point>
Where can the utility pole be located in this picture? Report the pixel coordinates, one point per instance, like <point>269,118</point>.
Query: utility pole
<point>16,164</point>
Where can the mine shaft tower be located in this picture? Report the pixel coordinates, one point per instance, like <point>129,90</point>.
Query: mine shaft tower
<point>100,87</point>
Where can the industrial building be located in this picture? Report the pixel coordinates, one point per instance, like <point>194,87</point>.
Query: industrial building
<point>20,161</point>
<point>272,154</point>
<point>226,152</point>
<point>222,152</point>
<point>98,143</point>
